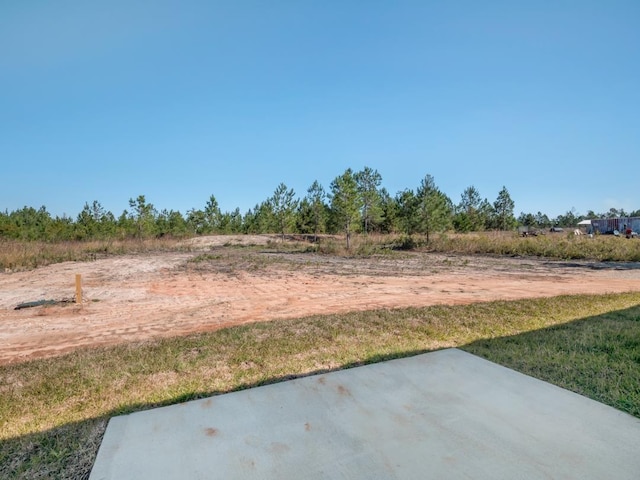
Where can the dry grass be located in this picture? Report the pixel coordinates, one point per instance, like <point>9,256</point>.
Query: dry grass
<point>53,411</point>
<point>18,255</point>
<point>562,246</point>
<point>558,245</point>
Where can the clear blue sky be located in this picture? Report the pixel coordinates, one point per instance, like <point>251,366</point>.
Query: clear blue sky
<point>178,100</point>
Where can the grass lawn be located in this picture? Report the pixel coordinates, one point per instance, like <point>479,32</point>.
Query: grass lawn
<point>53,412</point>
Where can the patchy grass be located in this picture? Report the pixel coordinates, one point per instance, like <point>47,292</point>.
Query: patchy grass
<point>53,411</point>
<point>234,259</point>
<point>20,255</point>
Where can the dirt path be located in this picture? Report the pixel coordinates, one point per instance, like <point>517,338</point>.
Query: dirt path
<point>138,297</point>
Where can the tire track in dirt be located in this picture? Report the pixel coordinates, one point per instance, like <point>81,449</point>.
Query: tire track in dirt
<point>134,298</point>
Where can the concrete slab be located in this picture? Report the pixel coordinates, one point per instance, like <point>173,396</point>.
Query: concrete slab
<point>446,414</point>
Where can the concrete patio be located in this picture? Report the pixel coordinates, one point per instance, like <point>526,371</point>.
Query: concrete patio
<point>445,414</point>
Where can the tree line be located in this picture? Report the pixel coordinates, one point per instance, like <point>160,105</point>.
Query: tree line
<point>355,202</point>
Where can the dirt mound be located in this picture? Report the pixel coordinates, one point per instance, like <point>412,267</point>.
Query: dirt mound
<point>228,240</point>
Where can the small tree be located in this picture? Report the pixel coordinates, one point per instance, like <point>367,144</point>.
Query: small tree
<point>614,213</point>
<point>368,181</point>
<point>31,224</point>
<point>125,225</point>
<point>260,219</point>
<point>94,222</point>
<point>315,199</point>
<point>60,228</point>
<point>389,207</point>
<point>346,203</point>
<point>7,228</point>
<point>569,219</point>
<point>212,214</point>
<point>434,207</point>
<point>231,222</point>
<point>284,206</point>
<point>468,217</point>
<point>542,220</point>
<point>407,207</point>
<point>171,223</point>
<point>503,211</point>
<point>196,221</point>
<point>143,215</point>
<point>527,219</point>
<point>86,225</point>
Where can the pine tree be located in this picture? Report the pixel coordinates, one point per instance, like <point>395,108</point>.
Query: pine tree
<point>315,198</point>
<point>346,203</point>
<point>503,211</point>
<point>434,208</point>
<point>284,206</point>
<point>368,181</point>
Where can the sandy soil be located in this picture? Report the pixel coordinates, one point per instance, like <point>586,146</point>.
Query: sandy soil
<point>130,298</point>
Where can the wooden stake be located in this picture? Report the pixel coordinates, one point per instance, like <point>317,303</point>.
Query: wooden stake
<point>78,288</point>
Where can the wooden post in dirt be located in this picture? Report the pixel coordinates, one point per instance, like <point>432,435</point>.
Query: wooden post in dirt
<point>78,288</point>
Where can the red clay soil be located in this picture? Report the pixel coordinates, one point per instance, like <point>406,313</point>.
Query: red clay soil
<point>132,298</point>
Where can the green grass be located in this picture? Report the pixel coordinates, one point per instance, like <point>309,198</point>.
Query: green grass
<point>53,411</point>
<point>598,357</point>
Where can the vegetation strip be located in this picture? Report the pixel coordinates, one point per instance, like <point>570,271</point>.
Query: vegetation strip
<point>355,202</point>
<point>19,255</point>
<point>53,412</point>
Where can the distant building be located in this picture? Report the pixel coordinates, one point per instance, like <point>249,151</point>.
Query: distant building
<point>611,225</point>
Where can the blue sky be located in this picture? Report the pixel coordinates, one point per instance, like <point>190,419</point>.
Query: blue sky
<point>179,100</point>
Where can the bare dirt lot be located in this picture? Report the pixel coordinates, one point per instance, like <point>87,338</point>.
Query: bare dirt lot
<point>136,297</point>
